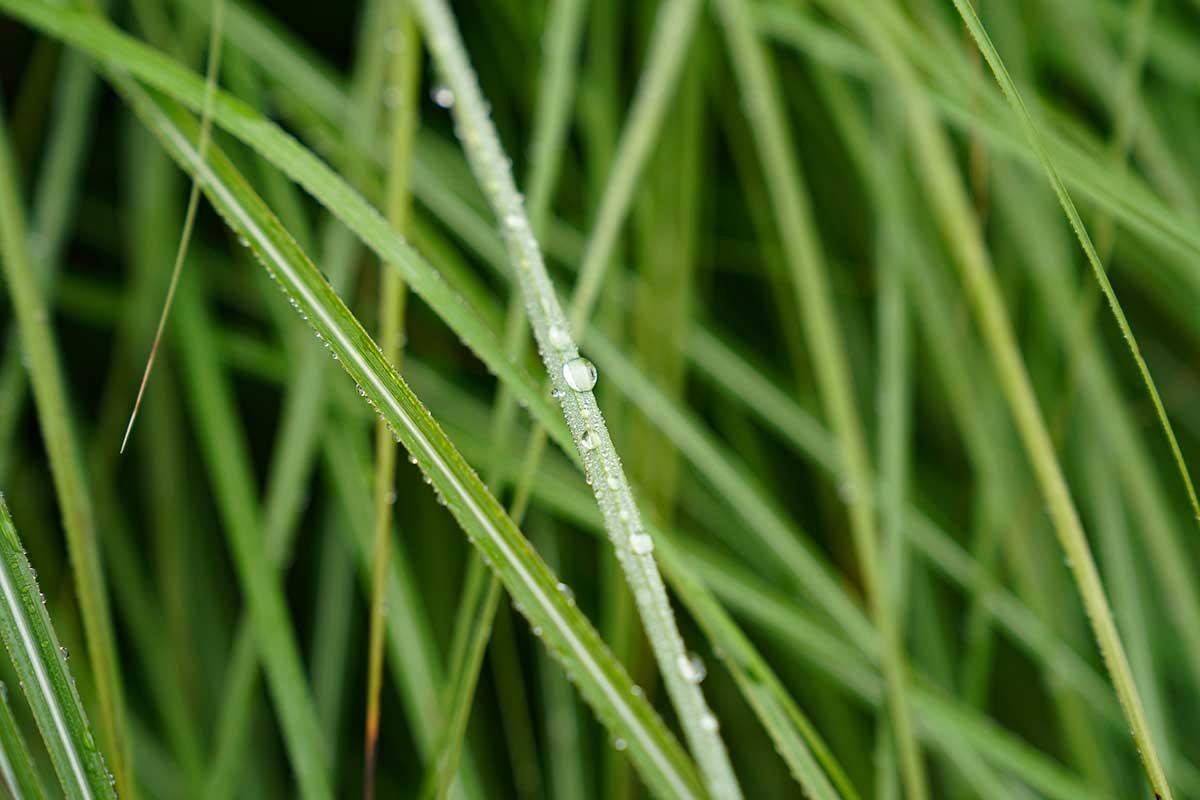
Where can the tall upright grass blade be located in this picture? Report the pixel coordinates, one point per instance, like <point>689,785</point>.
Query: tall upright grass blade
<point>403,79</point>
<point>950,204</point>
<point>55,420</point>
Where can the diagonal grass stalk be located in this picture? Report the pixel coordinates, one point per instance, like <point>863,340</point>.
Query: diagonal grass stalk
<point>1085,242</point>
<point>16,765</point>
<point>605,685</point>
<point>189,219</point>
<point>477,613</point>
<point>41,665</point>
<point>569,376</point>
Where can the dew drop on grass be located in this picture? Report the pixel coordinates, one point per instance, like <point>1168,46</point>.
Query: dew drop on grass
<point>692,668</point>
<point>619,744</point>
<point>709,722</point>
<point>443,96</point>
<point>559,337</point>
<point>580,374</point>
<point>641,543</point>
<point>557,394</point>
<point>567,593</point>
<point>588,440</point>
<point>636,691</point>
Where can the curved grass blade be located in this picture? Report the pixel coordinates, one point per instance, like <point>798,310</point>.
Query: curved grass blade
<point>41,665</point>
<point>602,680</point>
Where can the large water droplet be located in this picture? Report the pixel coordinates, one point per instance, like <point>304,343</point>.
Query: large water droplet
<point>588,440</point>
<point>641,543</point>
<point>709,722</point>
<point>580,374</point>
<point>692,668</point>
<point>619,744</point>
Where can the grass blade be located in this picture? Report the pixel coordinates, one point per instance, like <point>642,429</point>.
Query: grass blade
<point>54,418</point>
<point>569,376</point>
<point>42,667</point>
<point>602,681</point>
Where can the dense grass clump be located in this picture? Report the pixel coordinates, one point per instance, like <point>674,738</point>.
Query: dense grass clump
<point>741,398</point>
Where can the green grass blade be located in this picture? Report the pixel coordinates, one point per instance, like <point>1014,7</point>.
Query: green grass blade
<point>54,418</point>
<point>553,333</point>
<point>1085,241</point>
<point>404,78</point>
<point>41,665</point>
<point>105,42</point>
<point>602,681</point>
<point>16,765</point>
<point>806,263</point>
<point>950,204</point>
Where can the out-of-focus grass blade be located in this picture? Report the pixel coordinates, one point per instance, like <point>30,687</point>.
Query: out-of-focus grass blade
<point>41,664</point>
<point>70,484</point>
<point>105,42</point>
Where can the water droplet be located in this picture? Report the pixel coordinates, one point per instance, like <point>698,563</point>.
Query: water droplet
<point>612,482</point>
<point>567,593</point>
<point>443,96</point>
<point>692,668</point>
<point>641,543</point>
<point>412,459</point>
<point>619,744</point>
<point>580,374</point>
<point>588,440</point>
<point>636,691</point>
<point>514,220</point>
<point>65,653</point>
<point>559,337</point>
<point>709,723</point>
<point>557,394</point>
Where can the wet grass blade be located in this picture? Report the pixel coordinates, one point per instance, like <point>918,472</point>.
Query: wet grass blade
<point>601,680</point>
<point>41,665</point>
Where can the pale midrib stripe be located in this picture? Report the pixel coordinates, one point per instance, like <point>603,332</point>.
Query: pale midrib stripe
<point>27,642</point>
